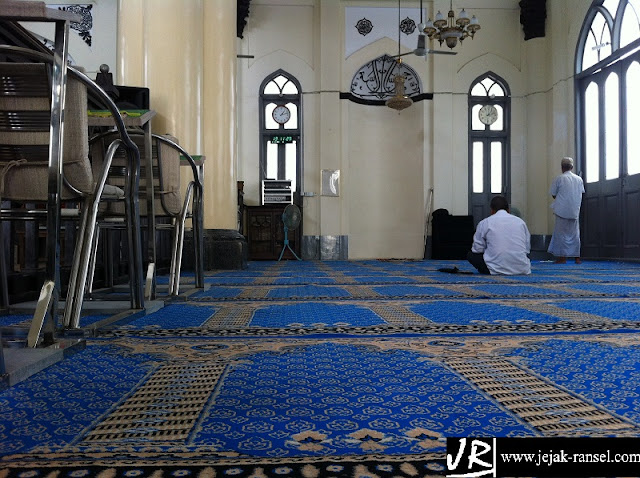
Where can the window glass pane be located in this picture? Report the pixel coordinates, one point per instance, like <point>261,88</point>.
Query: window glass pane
<point>291,157</point>
<point>477,166</point>
<point>272,161</point>
<point>592,133</point>
<point>496,167</point>
<point>499,124</point>
<point>496,90</point>
<point>590,55</point>
<point>633,123</point>
<point>271,88</point>
<point>602,34</point>
<point>293,121</point>
<point>612,6</point>
<point>630,29</point>
<point>478,90</point>
<point>476,124</point>
<point>280,80</point>
<point>487,83</point>
<point>269,122</point>
<point>604,40</point>
<point>598,44</point>
<point>290,88</point>
<point>612,127</point>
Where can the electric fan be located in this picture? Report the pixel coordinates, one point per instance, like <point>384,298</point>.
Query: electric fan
<point>291,217</point>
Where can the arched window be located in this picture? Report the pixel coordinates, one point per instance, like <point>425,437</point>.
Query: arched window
<point>281,130</point>
<point>489,133</point>
<point>607,67</point>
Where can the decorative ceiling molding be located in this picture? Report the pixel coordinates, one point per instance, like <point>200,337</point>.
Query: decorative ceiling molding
<point>533,14</point>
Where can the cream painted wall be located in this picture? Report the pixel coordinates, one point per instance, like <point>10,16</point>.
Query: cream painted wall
<point>390,161</point>
<point>565,20</point>
<point>385,182</point>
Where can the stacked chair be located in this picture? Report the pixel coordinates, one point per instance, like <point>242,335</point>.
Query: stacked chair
<point>25,119</point>
<point>171,207</point>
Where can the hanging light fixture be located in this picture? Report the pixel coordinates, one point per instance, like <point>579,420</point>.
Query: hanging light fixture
<point>399,101</point>
<point>450,30</point>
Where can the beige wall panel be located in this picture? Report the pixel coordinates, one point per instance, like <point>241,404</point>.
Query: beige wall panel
<point>520,163</point>
<point>132,42</point>
<point>312,169</point>
<point>539,133</point>
<point>330,119</point>
<point>285,27</point>
<point>385,168</point>
<point>330,157</point>
<point>219,118</point>
<point>190,71</point>
<point>176,89</point>
<point>443,171</point>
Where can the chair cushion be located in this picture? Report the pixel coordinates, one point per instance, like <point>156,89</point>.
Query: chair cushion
<point>166,170</point>
<point>28,180</point>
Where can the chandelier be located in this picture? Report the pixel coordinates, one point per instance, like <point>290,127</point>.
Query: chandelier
<point>399,101</point>
<point>450,30</point>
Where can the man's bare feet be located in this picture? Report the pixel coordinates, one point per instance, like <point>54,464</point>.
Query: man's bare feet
<point>578,260</point>
<point>561,260</point>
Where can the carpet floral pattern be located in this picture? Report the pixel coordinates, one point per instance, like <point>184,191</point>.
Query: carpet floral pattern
<point>335,369</point>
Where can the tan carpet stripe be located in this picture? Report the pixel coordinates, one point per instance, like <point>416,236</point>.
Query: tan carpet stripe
<point>398,315</point>
<point>234,316</point>
<point>165,408</point>
<point>522,393</point>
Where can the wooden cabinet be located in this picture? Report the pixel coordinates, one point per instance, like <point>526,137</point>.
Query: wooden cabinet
<point>264,231</point>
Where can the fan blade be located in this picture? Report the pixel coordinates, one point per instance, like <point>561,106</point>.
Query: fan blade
<point>441,52</point>
<point>402,54</point>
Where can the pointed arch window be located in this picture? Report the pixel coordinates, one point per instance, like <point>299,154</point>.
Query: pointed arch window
<point>611,29</point>
<point>607,68</point>
<point>281,130</point>
<point>607,56</point>
<point>489,134</point>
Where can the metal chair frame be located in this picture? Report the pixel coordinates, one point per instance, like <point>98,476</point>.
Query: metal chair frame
<point>46,308</point>
<point>193,194</point>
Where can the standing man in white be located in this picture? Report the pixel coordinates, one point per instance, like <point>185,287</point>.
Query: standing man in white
<point>566,190</point>
<point>502,242</point>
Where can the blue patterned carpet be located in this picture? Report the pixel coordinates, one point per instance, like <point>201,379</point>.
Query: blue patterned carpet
<point>334,369</point>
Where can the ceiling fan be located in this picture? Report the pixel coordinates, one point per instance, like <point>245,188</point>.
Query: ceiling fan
<point>421,49</point>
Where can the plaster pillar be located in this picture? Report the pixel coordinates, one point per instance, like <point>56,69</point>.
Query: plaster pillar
<point>219,113</point>
<point>184,51</point>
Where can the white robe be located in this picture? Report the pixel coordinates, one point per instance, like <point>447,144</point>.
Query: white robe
<point>567,188</point>
<point>565,241</point>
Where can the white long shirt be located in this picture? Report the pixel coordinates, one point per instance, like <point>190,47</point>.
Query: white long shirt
<point>567,188</point>
<point>505,241</point>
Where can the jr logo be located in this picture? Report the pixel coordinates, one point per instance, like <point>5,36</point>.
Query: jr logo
<point>477,458</point>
